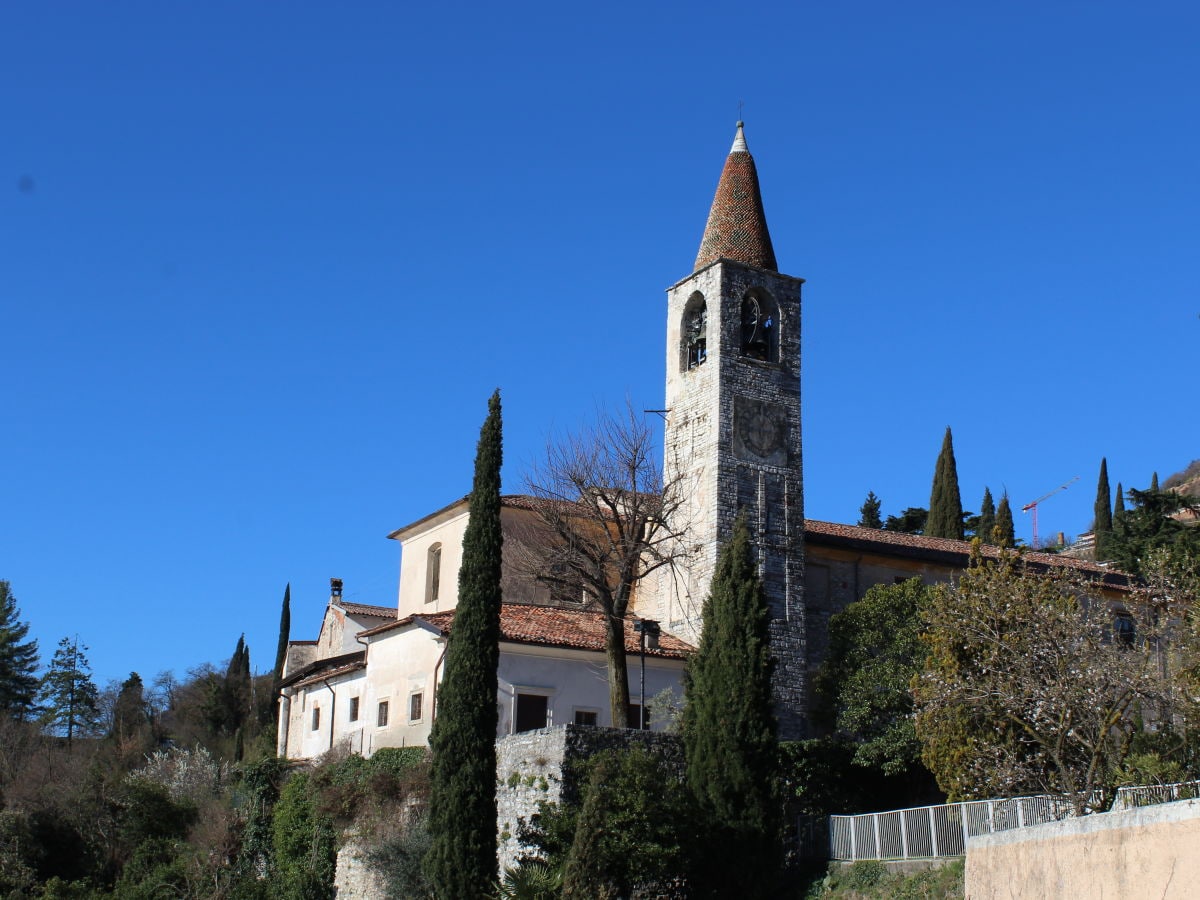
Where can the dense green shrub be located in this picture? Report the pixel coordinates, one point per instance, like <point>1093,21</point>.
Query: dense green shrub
<point>303,841</point>
<point>632,827</point>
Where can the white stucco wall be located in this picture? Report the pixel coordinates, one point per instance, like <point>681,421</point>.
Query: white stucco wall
<point>414,556</point>
<point>332,697</point>
<point>402,662</point>
<point>406,660</point>
<point>573,680</point>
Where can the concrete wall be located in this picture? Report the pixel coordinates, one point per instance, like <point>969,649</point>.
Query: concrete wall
<point>1146,852</point>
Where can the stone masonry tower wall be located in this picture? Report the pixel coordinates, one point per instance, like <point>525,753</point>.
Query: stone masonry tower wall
<point>733,438</point>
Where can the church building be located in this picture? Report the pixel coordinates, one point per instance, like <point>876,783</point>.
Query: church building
<point>732,445</point>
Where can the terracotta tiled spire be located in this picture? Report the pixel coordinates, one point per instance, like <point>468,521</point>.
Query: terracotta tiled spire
<point>737,228</point>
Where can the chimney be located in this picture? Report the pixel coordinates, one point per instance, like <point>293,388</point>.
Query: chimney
<point>335,590</point>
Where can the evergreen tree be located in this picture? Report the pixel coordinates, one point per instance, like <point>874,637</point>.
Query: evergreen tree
<point>1103,513</point>
<point>285,630</point>
<point>945,502</point>
<point>1151,526</point>
<point>911,521</point>
<point>18,660</point>
<point>1006,535</point>
<point>237,686</point>
<point>729,727</point>
<point>987,518</point>
<point>130,711</point>
<point>461,861</point>
<point>1118,516</point>
<point>69,696</point>
<point>868,513</point>
<point>1154,483</point>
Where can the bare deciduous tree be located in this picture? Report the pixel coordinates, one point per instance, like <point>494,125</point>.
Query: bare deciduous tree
<point>602,521</point>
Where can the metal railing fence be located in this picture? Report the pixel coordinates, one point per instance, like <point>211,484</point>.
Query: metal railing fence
<point>1151,794</point>
<point>943,830</point>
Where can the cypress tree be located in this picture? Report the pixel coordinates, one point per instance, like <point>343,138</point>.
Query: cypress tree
<point>1118,515</point>
<point>1006,535</point>
<point>1154,482</point>
<point>461,860</point>
<point>729,728</point>
<point>987,518</point>
<point>1103,512</point>
<point>945,502</point>
<point>868,513</point>
<point>285,630</point>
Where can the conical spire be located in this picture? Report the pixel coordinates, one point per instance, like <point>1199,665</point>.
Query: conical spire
<point>737,227</point>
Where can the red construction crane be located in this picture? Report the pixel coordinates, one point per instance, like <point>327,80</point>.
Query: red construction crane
<point>1034,506</point>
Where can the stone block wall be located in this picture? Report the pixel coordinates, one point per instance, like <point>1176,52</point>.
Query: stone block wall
<point>537,766</point>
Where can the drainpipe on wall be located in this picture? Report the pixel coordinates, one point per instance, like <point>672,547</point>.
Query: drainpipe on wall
<point>437,665</point>
<point>332,709</point>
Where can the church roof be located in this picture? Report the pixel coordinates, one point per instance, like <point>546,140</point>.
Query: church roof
<point>737,226</point>
<point>946,550</point>
<point>365,609</point>
<point>547,626</point>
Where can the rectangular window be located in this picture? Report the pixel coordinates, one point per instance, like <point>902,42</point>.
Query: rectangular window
<point>383,713</point>
<point>414,707</point>
<point>635,716</point>
<point>353,709</point>
<point>532,712</point>
<point>316,718</point>
<point>585,717</point>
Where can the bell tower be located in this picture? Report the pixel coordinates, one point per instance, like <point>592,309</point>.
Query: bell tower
<point>732,437</point>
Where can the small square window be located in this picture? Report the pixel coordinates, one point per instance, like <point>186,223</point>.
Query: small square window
<point>353,709</point>
<point>316,718</point>
<point>383,713</point>
<point>585,717</point>
<point>414,707</point>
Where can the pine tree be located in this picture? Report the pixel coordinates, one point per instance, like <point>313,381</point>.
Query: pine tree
<point>729,726</point>
<point>461,861</point>
<point>945,502</point>
<point>70,698</point>
<point>1102,528</point>
<point>1005,531</point>
<point>18,660</point>
<point>868,513</point>
<point>987,518</point>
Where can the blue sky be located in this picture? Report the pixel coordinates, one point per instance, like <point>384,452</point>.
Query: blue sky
<point>261,265</point>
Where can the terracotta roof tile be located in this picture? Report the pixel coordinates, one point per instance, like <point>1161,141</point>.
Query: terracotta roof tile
<point>891,541</point>
<point>552,627</point>
<point>737,226</point>
<point>364,609</point>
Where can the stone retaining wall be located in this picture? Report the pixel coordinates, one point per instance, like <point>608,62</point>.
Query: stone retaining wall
<point>535,767</point>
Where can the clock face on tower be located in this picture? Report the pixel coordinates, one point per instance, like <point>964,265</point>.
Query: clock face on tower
<point>760,431</point>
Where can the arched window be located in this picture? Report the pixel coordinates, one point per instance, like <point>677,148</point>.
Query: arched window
<point>760,327</point>
<point>433,573</point>
<point>694,333</point>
